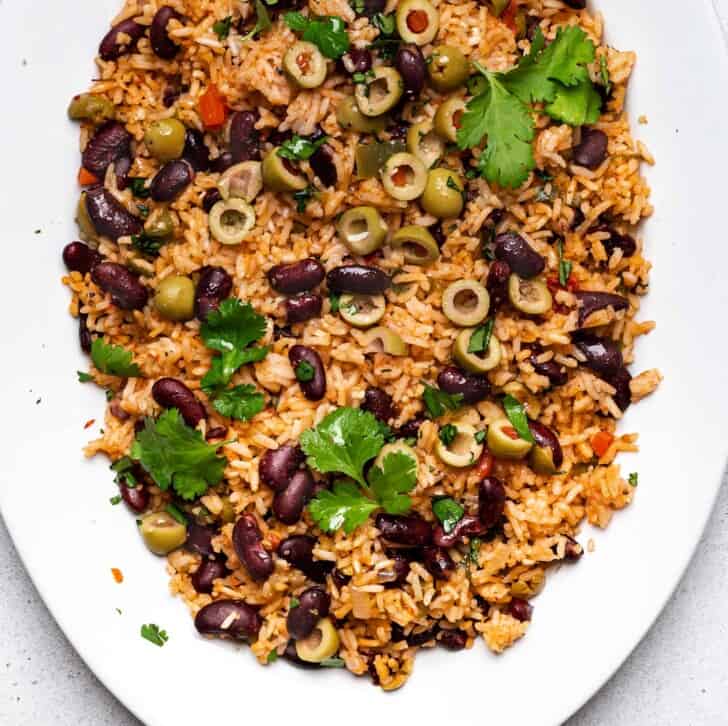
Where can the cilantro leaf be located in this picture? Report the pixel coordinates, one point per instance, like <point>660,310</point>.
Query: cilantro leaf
<point>448,433</point>
<point>448,511</point>
<point>177,456</point>
<point>634,479</point>
<point>153,634</point>
<point>577,105</point>
<point>391,483</point>
<point>239,402</point>
<point>113,359</point>
<point>262,21</point>
<point>304,372</point>
<point>299,147</point>
<point>272,656</point>
<point>84,377</point>
<point>345,506</point>
<point>437,401</point>
<point>327,33</point>
<point>221,28</point>
<point>146,244</point>
<point>303,196</point>
<point>138,187</point>
<point>480,339</point>
<point>296,21</point>
<point>564,265</point>
<point>604,74</point>
<point>517,416</point>
<point>334,300</point>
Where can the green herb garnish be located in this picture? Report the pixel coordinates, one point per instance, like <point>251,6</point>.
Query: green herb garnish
<point>333,662</point>
<point>305,371</point>
<point>113,360</point>
<point>221,28</point>
<point>448,511</point>
<point>564,265</point>
<point>137,186</point>
<point>84,377</point>
<point>175,512</point>
<point>239,402</point>
<point>633,479</point>
<point>437,401</point>
<point>334,301</point>
<point>272,656</point>
<point>303,197</point>
<point>516,414</point>
<point>299,147</point>
<point>328,32</point>
<point>480,338</point>
<point>115,499</point>
<point>448,433</point>
<point>262,20</point>
<point>153,634</point>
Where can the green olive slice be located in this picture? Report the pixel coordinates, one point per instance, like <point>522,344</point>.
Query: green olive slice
<point>404,177</point>
<point>322,643</point>
<point>417,21</point>
<point>447,118</point>
<point>464,450</point>
<point>476,362</point>
<point>443,194</point>
<point>380,93</point>
<point>448,68</point>
<point>350,117</point>
<point>280,175</point>
<point>83,220</point>
<point>504,441</point>
<point>162,533</point>
<point>417,244</point>
<point>397,447</point>
<point>370,158</point>
<point>362,230</point>
<point>231,220</point>
<point>541,460</point>
<point>305,64</point>
<point>383,340</point>
<point>159,225</point>
<point>243,180</point>
<point>362,311</point>
<point>529,296</point>
<point>89,107</point>
<point>466,303</point>
<point>424,143</point>
<point>165,139</point>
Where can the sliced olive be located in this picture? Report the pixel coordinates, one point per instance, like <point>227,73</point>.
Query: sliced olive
<point>322,643</point>
<point>504,441</point>
<point>159,225</point>
<point>85,225</point>
<point>464,450</point>
<point>89,107</point>
<point>476,362</point>
<point>529,296</point>
<point>350,117</point>
<point>305,64</point>
<point>175,298</point>
<point>165,139</point>
<point>404,176</point>
<point>417,21</point>
<point>162,533</point>
<point>546,456</point>
<point>499,6</point>
<point>424,143</point>
<point>362,230</point>
<point>370,158</point>
<point>384,340</point>
<point>280,175</point>
<point>230,221</point>
<point>244,180</point>
<point>417,244</point>
<point>380,93</point>
<point>443,194</point>
<point>448,68</point>
<point>447,118</point>
<point>396,447</point>
<point>466,303</point>
<point>362,311</point>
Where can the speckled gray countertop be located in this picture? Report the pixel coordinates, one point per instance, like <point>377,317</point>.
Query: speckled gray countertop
<point>677,676</point>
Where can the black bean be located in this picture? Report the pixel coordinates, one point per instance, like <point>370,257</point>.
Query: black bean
<point>624,242</point>
<point>217,432</point>
<point>121,170</point>
<point>473,387</point>
<point>171,393</point>
<point>578,218</point>
<point>556,373</point>
<point>340,578</point>
<point>222,162</point>
<point>244,142</point>
<point>211,198</point>
<point>323,165</point>
<point>592,301</point>
<point>424,636</point>
<point>205,575</point>
<point>277,466</point>
<point>303,307</point>
<point>358,279</point>
<point>171,180</point>
<point>438,562</point>
<point>247,541</point>
<point>398,132</point>
<point>510,247</point>
<point>467,525</point>
<point>213,285</point>
<point>125,289</point>
<point>111,47</point>
<point>294,277</point>
<point>491,501</point>
<point>411,429</point>
<point>136,498</point>
<point>298,550</point>
<point>199,540</point>
<point>620,380</point>
<point>573,550</point>
<point>161,43</point>
<point>403,529</point>
<point>591,150</point>
<point>602,355</point>
<point>228,618</point>
<point>357,60</point>
<point>288,505</point>
<point>79,257</point>
<point>84,335</point>
<point>110,142</point>
<point>547,439</point>
<point>313,604</point>
<point>109,216</point>
<point>520,609</point>
<point>453,639</point>
<point>497,283</point>
<point>378,402</point>
<point>195,152</point>
<point>411,65</point>
<point>276,137</point>
<point>314,389</point>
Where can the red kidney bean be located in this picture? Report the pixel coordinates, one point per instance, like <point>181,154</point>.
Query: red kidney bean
<point>277,466</point>
<point>315,389</point>
<point>400,569</point>
<point>303,307</point>
<point>110,142</point>
<point>491,501</point>
<point>125,289</point>
<point>247,541</point>
<point>171,180</point>
<point>556,373</point>
<point>210,199</point>
<point>417,639</point>
<point>121,170</point>
<point>547,439</point>
<point>244,141</point>
<point>84,335</point>
<point>468,525</point>
<point>411,429</point>
<point>573,550</point>
<point>497,283</point>
<point>576,4</point>
<point>578,218</point>
<point>358,279</point>
<point>520,609</point>
<point>624,242</point>
<point>136,498</point>
<point>370,7</point>
<point>79,257</point>
<point>411,65</point>
<point>510,247</point>
<point>453,639</point>
<point>298,550</point>
<point>196,153</point>
<point>217,432</point>
<point>593,301</point>
<point>288,504</point>
<point>591,151</point>
<point>205,575</point>
<point>323,165</point>
<point>620,380</point>
<point>172,393</point>
<point>357,60</point>
<point>404,529</point>
<point>222,162</point>
<point>161,43</point>
<point>472,386</point>
<point>602,355</point>
<point>229,618</point>
<point>379,403</point>
<point>294,277</point>
<point>213,285</point>
<point>172,91</point>
<point>438,562</point>
<point>112,47</point>
<point>109,216</point>
<point>313,604</point>
<point>340,578</point>
<point>199,540</point>
<point>398,132</point>
<point>117,411</point>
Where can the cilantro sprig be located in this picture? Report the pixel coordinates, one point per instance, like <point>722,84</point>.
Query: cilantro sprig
<point>328,32</point>
<point>262,20</point>
<point>564,265</point>
<point>448,511</point>
<point>154,634</point>
<point>113,359</point>
<point>438,401</point>
<point>299,148</point>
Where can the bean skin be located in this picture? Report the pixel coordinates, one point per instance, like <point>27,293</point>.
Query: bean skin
<point>358,279</point>
<point>404,530</point>
<point>497,283</point>
<point>247,541</point>
<point>624,242</point>
<point>315,389</point>
<point>277,466</point>
<point>210,199</point>
<point>84,335</point>
<point>592,301</point>
<point>228,618</point>
<point>379,403</point>
<point>510,247</point>
<point>109,216</point>
<point>340,579</point>
<point>121,170</point>
<point>213,285</point>
<point>303,307</point>
<point>417,639</point>
<point>298,550</point>
<point>400,569</point>
<point>620,380</point>
<point>288,505</point>
<point>171,180</point>
<point>573,551</point>
<point>323,165</point>
<point>161,43</point>
<point>244,141</point>
<point>111,48</point>
<point>411,65</point>
<point>438,562</point>
<point>136,498</point>
<point>556,373</point>
<point>591,151</point>
<point>125,289</point>
<point>357,60</point>
<point>295,277</point>
<point>172,393</point>
<point>520,609</point>
<point>453,639</point>
<point>199,540</point>
<point>79,257</point>
<point>602,355</point>
<point>196,153</point>
<point>468,525</point>
<point>472,386</point>
<point>110,142</point>
<point>411,429</point>
<point>221,163</point>
<point>491,501</point>
<point>313,604</point>
<point>205,575</point>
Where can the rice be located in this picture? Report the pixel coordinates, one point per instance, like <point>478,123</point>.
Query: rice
<point>377,624</point>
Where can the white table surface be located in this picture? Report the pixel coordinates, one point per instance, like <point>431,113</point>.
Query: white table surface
<point>677,676</point>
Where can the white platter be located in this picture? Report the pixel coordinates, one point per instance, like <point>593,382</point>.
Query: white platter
<point>589,618</point>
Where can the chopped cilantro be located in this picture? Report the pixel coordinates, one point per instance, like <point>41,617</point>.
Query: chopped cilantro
<point>385,23</point>
<point>153,634</point>
<point>303,197</point>
<point>480,338</point>
<point>448,433</point>
<point>604,74</point>
<point>113,359</point>
<point>299,147</point>
<point>115,499</point>
<point>147,245</point>
<point>124,474</point>
<point>634,479</point>
<point>262,20</point>
<point>137,186</point>
<point>473,551</point>
<point>517,416</point>
<point>221,28</point>
<point>328,32</point>
<point>564,265</point>
<point>239,402</point>
<point>272,656</point>
<point>293,603</point>
<point>334,301</point>
<point>84,377</point>
<point>437,401</point>
<point>345,506</point>
<point>174,511</point>
<point>448,511</point>
<point>480,436</point>
<point>305,371</point>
